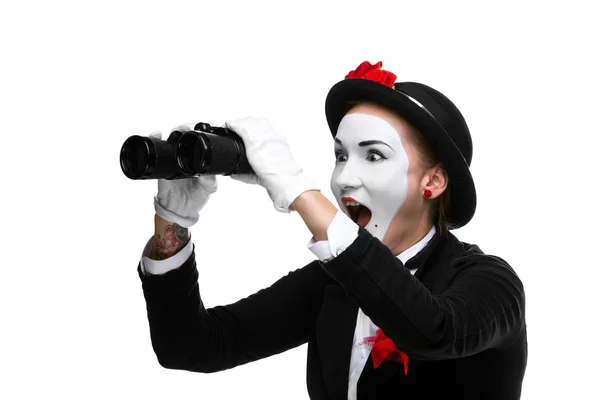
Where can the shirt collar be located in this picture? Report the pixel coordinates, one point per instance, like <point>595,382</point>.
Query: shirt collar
<point>416,248</point>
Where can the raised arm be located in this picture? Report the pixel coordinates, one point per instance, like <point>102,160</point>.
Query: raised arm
<point>189,336</point>
<point>483,306</point>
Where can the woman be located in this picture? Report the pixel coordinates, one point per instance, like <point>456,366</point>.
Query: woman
<point>396,306</point>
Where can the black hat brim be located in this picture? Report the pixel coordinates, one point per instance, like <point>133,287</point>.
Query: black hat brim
<point>463,196</point>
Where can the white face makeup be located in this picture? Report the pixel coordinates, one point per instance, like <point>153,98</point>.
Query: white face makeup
<point>371,167</point>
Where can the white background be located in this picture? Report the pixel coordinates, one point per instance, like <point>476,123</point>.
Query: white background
<point>78,78</point>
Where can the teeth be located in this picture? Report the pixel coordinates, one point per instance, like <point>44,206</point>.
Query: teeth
<point>351,203</point>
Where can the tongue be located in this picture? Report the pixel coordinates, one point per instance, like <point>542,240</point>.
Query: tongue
<point>364,216</point>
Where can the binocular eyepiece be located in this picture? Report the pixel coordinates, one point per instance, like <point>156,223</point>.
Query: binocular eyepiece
<point>206,150</point>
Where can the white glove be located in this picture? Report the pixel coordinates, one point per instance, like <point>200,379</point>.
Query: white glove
<point>270,157</point>
<point>180,200</point>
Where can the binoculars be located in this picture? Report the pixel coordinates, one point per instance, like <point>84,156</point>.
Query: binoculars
<point>206,150</point>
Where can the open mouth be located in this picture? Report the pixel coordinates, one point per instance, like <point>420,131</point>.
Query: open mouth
<point>357,212</point>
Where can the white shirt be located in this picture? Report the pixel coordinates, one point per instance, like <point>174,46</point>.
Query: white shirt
<point>340,234</point>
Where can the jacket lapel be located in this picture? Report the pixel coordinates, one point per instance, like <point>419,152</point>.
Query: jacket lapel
<point>372,381</point>
<point>337,322</point>
<point>335,333</point>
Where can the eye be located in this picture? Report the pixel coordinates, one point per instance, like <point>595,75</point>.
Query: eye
<point>340,157</point>
<point>375,156</point>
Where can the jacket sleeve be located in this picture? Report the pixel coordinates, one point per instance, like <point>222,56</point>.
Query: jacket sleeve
<point>186,335</point>
<point>482,308</point>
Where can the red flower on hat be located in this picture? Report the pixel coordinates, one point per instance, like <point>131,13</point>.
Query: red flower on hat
<point>373,72</point>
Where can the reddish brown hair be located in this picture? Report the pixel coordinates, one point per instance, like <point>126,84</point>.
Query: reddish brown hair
<point>441,205</point>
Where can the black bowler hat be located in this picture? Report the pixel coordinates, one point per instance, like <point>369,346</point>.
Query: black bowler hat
<point>428,110</point>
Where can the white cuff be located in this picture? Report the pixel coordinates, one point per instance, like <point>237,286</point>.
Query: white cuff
<point>160,267</point>
<point>320,249</point>
<point>341,233</point>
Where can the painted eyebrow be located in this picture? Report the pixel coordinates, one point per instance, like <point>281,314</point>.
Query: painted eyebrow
<point>367,143</point>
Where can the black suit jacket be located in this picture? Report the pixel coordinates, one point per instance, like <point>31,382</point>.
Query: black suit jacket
<point>460,319</point>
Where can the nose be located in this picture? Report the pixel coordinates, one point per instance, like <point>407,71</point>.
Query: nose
<point>348,177</point>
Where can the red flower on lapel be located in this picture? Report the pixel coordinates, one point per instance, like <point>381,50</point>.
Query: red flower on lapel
<point>373,72</point>
<point>384,349</point>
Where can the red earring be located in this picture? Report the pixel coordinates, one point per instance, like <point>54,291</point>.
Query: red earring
<point>427,193</point>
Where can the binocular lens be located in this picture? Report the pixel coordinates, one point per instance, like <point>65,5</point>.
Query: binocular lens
<point>137,156</point>
<point>208,151</point>
<point>193,153</point>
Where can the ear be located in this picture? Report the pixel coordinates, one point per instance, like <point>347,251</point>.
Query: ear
<point>436,180</point>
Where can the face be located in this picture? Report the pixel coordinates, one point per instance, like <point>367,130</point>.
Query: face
<point>373,176</point>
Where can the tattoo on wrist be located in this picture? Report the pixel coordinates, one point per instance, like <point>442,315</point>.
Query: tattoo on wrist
<point>170,241</point>
<point>181,234</point>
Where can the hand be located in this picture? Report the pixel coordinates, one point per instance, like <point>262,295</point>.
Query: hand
<point>269,156</point>
<point>180,200</point>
